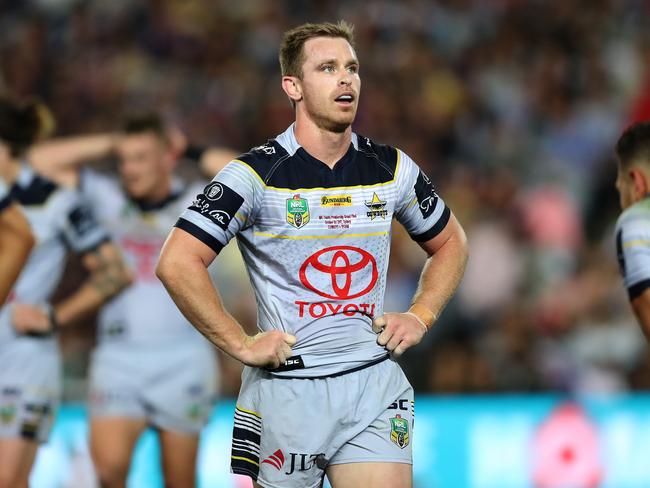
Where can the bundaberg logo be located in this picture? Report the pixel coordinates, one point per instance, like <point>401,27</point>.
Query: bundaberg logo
<point>336,201</point>
<point>297,211</point>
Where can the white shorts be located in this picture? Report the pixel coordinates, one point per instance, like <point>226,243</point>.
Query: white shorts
<point>288,430</point>
<point>172,387</point>
<point>30,388</point>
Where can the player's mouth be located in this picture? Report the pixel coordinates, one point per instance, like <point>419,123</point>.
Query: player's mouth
<point>345,99</point>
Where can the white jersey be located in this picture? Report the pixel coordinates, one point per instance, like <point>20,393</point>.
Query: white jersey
<point>144,313</point>
<point>59,220</point>
<point>633,247</point>
<point>316,241</point>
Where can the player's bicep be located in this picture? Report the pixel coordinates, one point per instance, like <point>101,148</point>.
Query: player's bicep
<point>182,246</point>
<point>452,234</point>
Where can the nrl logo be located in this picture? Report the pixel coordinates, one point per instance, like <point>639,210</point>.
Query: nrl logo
<point>376,207</point>
<point>297,211</point>
<point>399,431</point>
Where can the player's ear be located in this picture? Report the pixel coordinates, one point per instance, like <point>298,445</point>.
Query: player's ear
<point>639,182</point>
<point>169,159</point>
<point>292,87</point>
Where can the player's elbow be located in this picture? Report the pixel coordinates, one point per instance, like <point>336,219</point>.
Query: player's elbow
<point>463,246</point>
<point>168,269</point>
<point>164,269</point>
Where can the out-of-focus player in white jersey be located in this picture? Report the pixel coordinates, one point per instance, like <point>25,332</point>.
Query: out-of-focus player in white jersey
<point>311,210</point>
<point>633,226</point>
<point>30,367</point>
<point>150,368</point>
<point>16,241</point>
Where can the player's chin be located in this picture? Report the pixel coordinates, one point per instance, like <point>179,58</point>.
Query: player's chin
<point>136,190</point>
<point>341,122</point>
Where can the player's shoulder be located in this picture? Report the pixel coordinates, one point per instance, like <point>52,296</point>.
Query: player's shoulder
<point>639,212</point>
<point>634,220</point>
<point>33,189</point>
<point>385,153</point>
<point>261,159</point>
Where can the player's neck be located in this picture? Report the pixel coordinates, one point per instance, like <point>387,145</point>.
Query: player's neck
<point>159,194</point>
<point>9,171</point>
<point>326,146</point>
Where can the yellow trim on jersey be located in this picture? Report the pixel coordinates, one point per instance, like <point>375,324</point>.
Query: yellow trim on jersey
<point>636,242</point>
<point>339,236</point>
<point>334,188</point>
<point>239,458</point>
<point>237,407</point>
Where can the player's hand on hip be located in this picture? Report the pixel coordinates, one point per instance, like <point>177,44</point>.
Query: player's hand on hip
<point>268,349</point>
<point>398,331</point>
<point>30,319</point>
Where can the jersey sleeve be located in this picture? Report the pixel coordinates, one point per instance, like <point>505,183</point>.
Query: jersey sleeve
<point>5,199</point>
<point>633,252</point>
<point>81,230</point>
<point>225,207</point>
<point>419,208</point>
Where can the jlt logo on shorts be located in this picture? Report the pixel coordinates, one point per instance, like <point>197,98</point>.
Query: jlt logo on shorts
<point>338,273</point>
<point>297,461</point>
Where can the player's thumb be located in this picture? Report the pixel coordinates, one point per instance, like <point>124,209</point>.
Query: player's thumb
<point>289,339</point>
<point>378,324</point>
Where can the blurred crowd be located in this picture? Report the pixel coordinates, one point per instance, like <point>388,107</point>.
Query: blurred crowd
<point>511,106</point>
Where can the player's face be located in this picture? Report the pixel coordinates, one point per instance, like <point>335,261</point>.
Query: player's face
<point>625,187</point>
<point>330,82</point>
<point>145,165</point>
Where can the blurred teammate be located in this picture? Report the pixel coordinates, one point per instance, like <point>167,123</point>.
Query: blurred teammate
<point>633,226</point>
<point>150,367</point>
<point>29,358</point>
<point>16,241</point>
<point>312,210</point>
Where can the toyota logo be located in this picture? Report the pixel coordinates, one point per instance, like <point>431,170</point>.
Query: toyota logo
<point>344,267</point>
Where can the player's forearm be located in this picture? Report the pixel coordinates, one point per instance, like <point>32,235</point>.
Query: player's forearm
<point>189,285</point>
<point>65,154</point>
<point>441,276</point>
<point>108,277</point>
<point>78,306</point>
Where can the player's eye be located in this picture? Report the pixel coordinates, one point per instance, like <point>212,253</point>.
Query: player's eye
<point>327,68</point>
<point>354,69</point>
